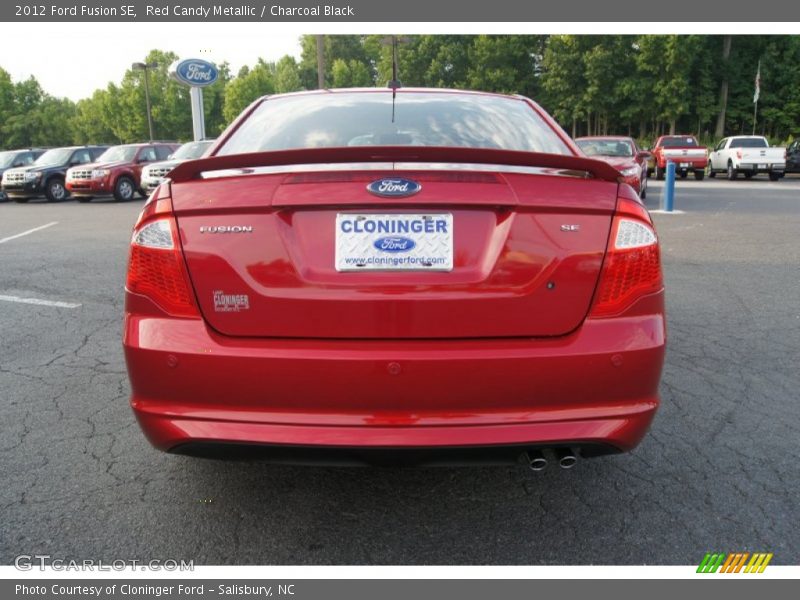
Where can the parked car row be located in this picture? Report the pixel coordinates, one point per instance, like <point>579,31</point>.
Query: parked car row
<point>88,171</point>
<point>748,155</point>
<point>46,175</point>
<point>125,170</point>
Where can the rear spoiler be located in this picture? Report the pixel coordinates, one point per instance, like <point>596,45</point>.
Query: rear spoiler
<point>192,169</point>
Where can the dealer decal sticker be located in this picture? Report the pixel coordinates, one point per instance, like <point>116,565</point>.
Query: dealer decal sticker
<point>230,302</point>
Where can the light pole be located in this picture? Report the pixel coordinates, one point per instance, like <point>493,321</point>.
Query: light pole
<point>141,66</point>
<point>321,62</point>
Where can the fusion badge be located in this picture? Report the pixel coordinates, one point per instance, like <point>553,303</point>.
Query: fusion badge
<point>226,229</point>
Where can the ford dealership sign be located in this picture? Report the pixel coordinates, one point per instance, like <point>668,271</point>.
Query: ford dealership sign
<point>194,72</point>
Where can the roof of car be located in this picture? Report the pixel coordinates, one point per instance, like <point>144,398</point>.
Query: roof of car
<point>605,137</point>
<point>387,90</point>
<point>78,147</point>
<point>143,144</point>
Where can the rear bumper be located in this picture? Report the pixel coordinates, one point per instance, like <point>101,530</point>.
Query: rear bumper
<point>597,386</point>
<point>762,167</point>
<point>682,164</point>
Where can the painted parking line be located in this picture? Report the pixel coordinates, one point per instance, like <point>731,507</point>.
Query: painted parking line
<point>28,232</point>
<point>38,302</point>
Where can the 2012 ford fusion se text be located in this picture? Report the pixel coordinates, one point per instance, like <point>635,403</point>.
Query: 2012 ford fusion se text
<point>422,275</point>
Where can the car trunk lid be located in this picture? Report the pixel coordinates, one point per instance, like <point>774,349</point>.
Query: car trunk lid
<point>527,249</point>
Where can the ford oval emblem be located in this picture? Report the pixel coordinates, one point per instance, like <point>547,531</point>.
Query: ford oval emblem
<point>194,72</point>
<point>394,187</point>
<point>394,244</point>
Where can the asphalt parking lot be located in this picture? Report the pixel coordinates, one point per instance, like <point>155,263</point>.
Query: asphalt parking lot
<point>718,472</point>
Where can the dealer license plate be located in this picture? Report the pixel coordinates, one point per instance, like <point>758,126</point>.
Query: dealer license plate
<point>394,242</point>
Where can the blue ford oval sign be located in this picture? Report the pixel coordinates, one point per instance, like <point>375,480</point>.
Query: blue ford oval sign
<point>394,187</point>
<point>194,72</point>
<point>394,244</point>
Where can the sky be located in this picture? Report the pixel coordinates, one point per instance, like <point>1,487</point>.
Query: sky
<point>75,60</point>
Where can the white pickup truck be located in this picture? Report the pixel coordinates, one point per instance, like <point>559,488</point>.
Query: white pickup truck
<point>748,154</point>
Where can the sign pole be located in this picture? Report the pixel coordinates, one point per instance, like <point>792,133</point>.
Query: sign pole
<point>198,113</point>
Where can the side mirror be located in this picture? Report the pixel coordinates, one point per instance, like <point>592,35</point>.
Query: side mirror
<point>644,155</point>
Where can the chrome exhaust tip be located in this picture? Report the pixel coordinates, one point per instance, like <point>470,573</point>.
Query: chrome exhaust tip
<point>566,458</point>
<point>536,460</point>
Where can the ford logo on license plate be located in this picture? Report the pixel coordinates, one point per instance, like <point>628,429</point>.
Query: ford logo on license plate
<point>394,187</point>
<point>394,244</point>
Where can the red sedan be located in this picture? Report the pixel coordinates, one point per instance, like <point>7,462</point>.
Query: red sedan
<point>623,154</point>
<point>352,275</point>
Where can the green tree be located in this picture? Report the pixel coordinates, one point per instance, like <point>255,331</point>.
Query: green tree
<point>7,105</point>
<point>91,123</point>
<point>504,63</point>
<point>287,76</point>
<point>249,85</point>
<point>563,78</point>
<point>20,126</point>
<point>344,47</point>
<point>214,101</point>
<point>348,74</point>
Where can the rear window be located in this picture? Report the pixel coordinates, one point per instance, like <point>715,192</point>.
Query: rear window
<point>598,147</point>
<point>420,119</point>
<point>191,150</point>
<point>678,142</point>
<point>744,142</point>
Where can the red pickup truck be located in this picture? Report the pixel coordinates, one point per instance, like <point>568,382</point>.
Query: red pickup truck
<point>685,151</point>
<point>117,171</point>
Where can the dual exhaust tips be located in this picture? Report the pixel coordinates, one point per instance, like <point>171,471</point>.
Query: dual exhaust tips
<point>537,460</point>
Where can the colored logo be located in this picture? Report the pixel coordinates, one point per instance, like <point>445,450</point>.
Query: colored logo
<point>735,562</point>
<point>394,244</point>
<point>394,188</point>
<point>194,72</point>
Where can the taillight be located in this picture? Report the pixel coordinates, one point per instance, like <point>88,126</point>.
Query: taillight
<point>632,266</point>
<point>739,154</point>
<point>156,268</point>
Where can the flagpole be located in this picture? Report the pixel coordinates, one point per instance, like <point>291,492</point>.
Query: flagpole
<point>755,112</point>
<point>756,95</point>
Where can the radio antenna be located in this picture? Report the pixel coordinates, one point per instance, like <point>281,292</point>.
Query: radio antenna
<point>394,84</point>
